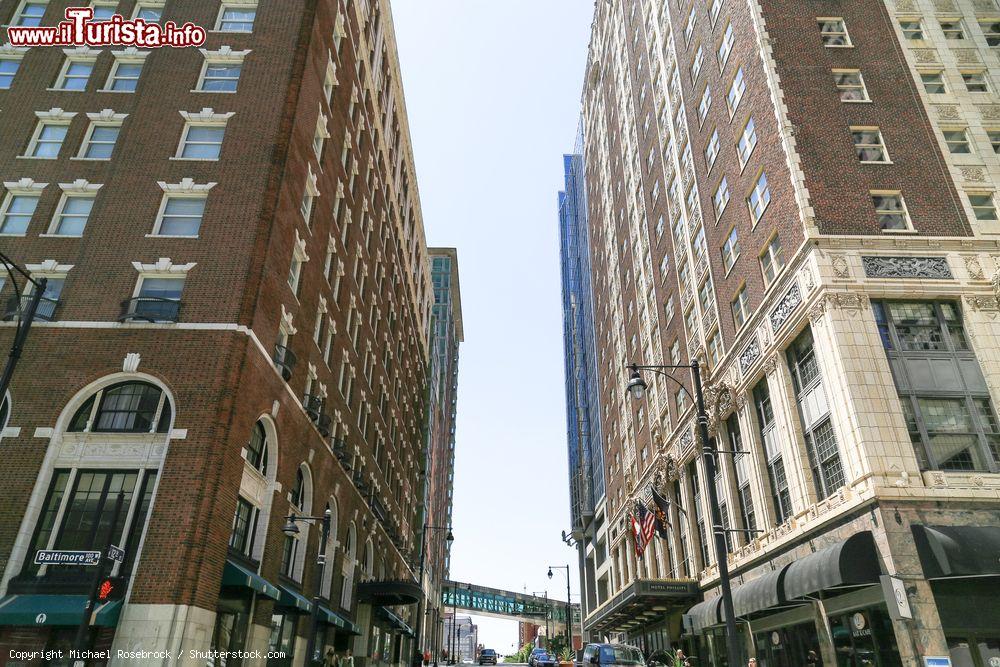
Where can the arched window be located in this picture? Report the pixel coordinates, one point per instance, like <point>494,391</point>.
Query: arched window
<point>331,551</point>
<point>347,571</point>
<point>257,449</point>
<point>293,553</point>
<point>298,489</point>
<point>126,407</point>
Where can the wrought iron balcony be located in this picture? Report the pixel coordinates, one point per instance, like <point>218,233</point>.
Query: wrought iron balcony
<point>46,311</point>
<point>325,425</point>
<point>313,406</point>
<point>284,360</point>
<point>150,309</point>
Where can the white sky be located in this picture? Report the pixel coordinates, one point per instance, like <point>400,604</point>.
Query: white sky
<point>493,96</point>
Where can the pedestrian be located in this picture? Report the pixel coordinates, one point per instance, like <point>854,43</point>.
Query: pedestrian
<point>812,658</point>
<point>752,662</point>
<point>330,659</point>
<point>418,658</point>
<point>348,659</point>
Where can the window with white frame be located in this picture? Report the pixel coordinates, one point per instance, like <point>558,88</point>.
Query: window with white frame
<point>157,298</point>
<point>320,136</point>
<point>747,142</point>
<point>9,64</point>
<point>976,82</point>
<point>712,150</point>
<point>994,136</point>
<point>759,198</point>
<point>913,28</point>
<point>869,145</point>
<point>731,249</point>
<point>182,209</point>
<point>833,32</point>
<point>47,140</point>
<point>309,194</point>
<point>220,76</point>
<point>934,83</point>
<point>736,90</point>
<point>330,80</point>
<point>76,71</point>
<point>957,140</point>
<point>983,206</point>
<point>991,31</point>
<point>952,28</point>
<point>150,11</point>
<point>102,135</point>
<point>104,9</point>
<point>726,47</point>
<point>17,210</point>
<point>705,104</point>
<point>721,197</point>
<point>689,27</point>
<point>125,72</point>
<point>73,212</point>
<point>29,14</point>
<point>890,210</point>
<point>850,85</point>
<point>772,260</point>
<point>699,58</point>
<point>236,17</point>
<point>202,136</point>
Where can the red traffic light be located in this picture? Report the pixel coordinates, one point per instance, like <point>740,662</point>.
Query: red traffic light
<point>110,588</point>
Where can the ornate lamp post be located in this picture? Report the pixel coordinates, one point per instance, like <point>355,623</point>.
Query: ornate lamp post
<point>291,528</point>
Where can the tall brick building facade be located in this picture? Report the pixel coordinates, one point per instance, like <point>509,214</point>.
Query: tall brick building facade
<point>801,196</point>
<point>237,324</point>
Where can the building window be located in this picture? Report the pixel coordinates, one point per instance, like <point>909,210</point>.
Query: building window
<point>150,12</point>
<point>740,308</point>
<point>157,299</point>
<point>721,197</point>
<point>814,411</point>
<point>124,77</point>
<point>945,399</point>
<point>699,58</point>
<point>891,211</point>
<point>759,198</point>
<point>833,32</point>
<point>991,31</point>
<point>75,74</point>
<point>869,145</point>
<point>8,70</point>
<point>772,260</point>
<point>705,104</point>
<point>741,464</point>
<point>975,82</point>
<point>47,140</point>
<point>100,142</point>
<point>715,348</point>
<point>30,14</point>
<point>126,407</point>
<point>72,215</point>
<point>912,29</point>
<point>850,85</point>
<point>699,514</point>
<point>244,527</point>
<point>780,495</point>
<point>103,11</point>
<point>731,250</point>
<point>983,205</point>
<point>994,136</point>
<point>953,29</point>
<point>747,142</point>
<point>202,142</point>
<point>933,83</point>
<point>180,215</point>
<point>712,150</point>
<point>957,140</point>
<point>257,449</point>
<point>726,47</point>
<point>220,77</point>
<point>290,548</point>
<point>236,18</point>
<point>736,91</point>
<point>17,212</point>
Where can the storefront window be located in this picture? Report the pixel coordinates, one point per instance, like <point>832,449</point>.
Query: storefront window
<point>864,637</point>
<point>282,641</point>
<point>965,651</point>
<point>231,620</point>
<point>794,646</point>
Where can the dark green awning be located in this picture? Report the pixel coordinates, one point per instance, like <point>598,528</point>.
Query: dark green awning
<point>395,621</point>
<point>331,617</point>
<point>238,575</point>
<point>37,610</point>
<point>294,601</point>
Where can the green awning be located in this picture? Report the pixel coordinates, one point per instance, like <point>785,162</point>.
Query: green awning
<point>398,624</point>
<point>331,617</point>
<point>294,601</point>
<point>36,610</point>
<point>238,575</point>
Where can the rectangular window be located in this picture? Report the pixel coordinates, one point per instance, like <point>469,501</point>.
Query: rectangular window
<point>759,198</point>
<point>157,300</point>
<point>8,70</point>
<point>100,141</point>
<point>912,29</point>
<point>890,211</point>
<point>983,205</point>
<point>124,77</point>
<point>952,29</point>
<point>747,142</point>
<point>833,32</point>
<point>957,140</point>
<point>151,12</point>
<point>781,498</point>
<point>721,197</point>
<point>705,104</point>
<point>731,250</point>
<point>202,142</point>
<point>741,465</point>
<point>772,260</point>
<point>16,213</point>
<point>75,74</point>
<point>850,85</point>
<point>713,11</point>
<point>945,399</point>
<point>48,140</point>
<point>30,15</point>
<point>180,216</point>
<point>294,275</point>
<point>991,31</point>
<point>975,82</point>
<point>740,308</point>
<point>161,288</point>
<point>869,145</point>
<point>994,136</point>
<point>72,215</point>
<point>736,91</point>
<point>933,83</point>
<point>712,150</point>
<point>689,27</point>
<point>220,77</point>
<point>699,58</point>
<point>236,18</point>
<point>103,11</point>
<point>726,47</point>
<point>244,527</point>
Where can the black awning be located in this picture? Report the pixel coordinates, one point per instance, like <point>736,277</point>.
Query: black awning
<point>955,551</point>
<point>706,614</point>
<point>760,593</point>
<point>395,622</point>
<point>642,602</point>
<point>853,562</point>
<point>390,593</point>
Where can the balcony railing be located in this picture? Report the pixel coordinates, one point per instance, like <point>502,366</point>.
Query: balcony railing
<point>150,309</point>
<point>313,406</point>
<point>340,451</point>
<point>325,425</point>
<point>46,311</point>
<point>284,360</point>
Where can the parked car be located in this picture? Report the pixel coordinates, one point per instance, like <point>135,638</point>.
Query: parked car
<point>546,659</point>
<point>535,652</point>
<point>613,654</point>
<point>487,657</point>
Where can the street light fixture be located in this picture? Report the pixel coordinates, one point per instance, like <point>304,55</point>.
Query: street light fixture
<point>291,529</point>
<point>450,537</point>
<point>569,608</point>
<point>27,316</point>
<point>637,388</point>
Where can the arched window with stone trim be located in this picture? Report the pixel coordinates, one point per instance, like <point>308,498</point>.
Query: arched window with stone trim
<point>347,567</point>
<point>368,562</point>
<point>257,485</point>
<point>326,590</point>
<point>125,407</point>
<point>300,503</point>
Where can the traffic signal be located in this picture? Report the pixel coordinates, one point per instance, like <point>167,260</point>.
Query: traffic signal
<point>111,588</point>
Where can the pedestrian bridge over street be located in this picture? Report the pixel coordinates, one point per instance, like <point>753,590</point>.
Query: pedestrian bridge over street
<point>496,603</point>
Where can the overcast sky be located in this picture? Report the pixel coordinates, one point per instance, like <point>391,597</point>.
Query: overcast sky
<point>493,97</point>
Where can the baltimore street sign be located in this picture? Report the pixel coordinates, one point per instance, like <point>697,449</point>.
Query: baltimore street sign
<point>46,557</point>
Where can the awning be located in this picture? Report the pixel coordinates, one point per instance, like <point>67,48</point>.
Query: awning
<point>294,601</point>
<point>853,562</point>
<point>643,602</point>
<point>395,621</point>
<point>706,614</point>
<point>757,594</point>
<point>331,617</point>
<point>240,576</point>
<point>390,593</point>
<point>955,551</point>
<point>37,610</point>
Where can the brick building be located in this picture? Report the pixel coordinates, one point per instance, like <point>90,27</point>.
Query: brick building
<point>801,196</point>
<point>236,330</point>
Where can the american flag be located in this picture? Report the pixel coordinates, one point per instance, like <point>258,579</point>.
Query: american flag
<point>643,528</point>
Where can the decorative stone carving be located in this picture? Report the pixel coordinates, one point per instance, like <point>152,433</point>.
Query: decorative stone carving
<point>817,312</point>
<point>785,307</point>
<point>966,56</point>
<point>942,6</point>
<point>975,174</point>
<point>905,6</point>
<point>925,55</point>
<point>996,283</point>
<point>750,354</point>
<point>131,362</point>
<point>984,303</point>
<point>808,280</point>
<point>771,364</point>
<point>990,111</point>
<point>974,268</point>
<point>933,268</point>
<point>849,301</point>
<point>984,5</point>
<point>840,267</point>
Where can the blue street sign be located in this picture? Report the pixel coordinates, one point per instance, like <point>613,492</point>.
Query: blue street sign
<point>937,661</point>
<point>53,557</point>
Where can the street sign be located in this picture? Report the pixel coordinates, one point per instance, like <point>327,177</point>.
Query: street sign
<point>53,557</point>
<point>894,591</point>
<point>938,661</point>
<point>116,553</point>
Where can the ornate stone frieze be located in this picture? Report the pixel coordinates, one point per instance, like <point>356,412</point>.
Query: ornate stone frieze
<point>749,355</point>
<point>933,268</point>
<point>974,174</point>
<point>974,268</point>
<point>785,307</point>
<point>947,111</point>
<point>840,266</point>
<point>990,111</point>
<point>983,303</point>
<point>925,55</point>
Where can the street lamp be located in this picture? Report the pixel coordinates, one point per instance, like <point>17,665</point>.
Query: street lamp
<point>450,537</point>
<point>637,388</point>
<point>26,318</point>
<point>569,609</point>
<point>291,529</point>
